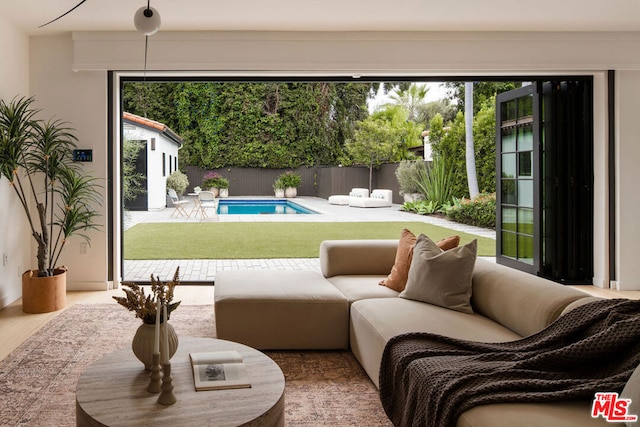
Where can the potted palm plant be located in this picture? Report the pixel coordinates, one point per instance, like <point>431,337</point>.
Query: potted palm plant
<point>58,199</point>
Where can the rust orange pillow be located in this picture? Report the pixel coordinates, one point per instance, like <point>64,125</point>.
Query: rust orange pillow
<point>448,243</point>
<point>397,279</point>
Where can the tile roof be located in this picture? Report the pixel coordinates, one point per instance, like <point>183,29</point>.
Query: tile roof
<point>152,124</point>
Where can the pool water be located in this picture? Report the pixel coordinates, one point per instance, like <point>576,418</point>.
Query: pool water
<point>260,207</point>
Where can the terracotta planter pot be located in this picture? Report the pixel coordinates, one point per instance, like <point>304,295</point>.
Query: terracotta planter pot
<point>290,192</point>
<point>224,192</point>
<point>144,340</point>
<point>279,192</point>
<point>44,294</point>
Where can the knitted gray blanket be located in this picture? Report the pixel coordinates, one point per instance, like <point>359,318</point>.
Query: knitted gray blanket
<point>429,380</point>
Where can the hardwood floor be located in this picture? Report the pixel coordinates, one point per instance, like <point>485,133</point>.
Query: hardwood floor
<point>16,326</point>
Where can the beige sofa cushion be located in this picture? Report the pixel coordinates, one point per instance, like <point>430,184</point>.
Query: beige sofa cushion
<point>280,310</point>
<point>565,414</point>
<point>361,287</point>
<point>632,391</point>
<point>375,321</point>
<point>341,257</point>
<point>520,301</point>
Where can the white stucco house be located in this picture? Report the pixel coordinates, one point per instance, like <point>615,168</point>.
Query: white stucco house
<point>157,159</point>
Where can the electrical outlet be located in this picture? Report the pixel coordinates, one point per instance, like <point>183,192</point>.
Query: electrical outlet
<point>5,259</point>
<point>84,248</point>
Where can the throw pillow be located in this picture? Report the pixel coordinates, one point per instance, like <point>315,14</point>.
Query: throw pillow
<point>448,243</point>
<point>397,279</point>
<point>441,277</point>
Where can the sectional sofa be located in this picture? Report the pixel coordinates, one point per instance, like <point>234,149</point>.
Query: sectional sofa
<point>345,306</point>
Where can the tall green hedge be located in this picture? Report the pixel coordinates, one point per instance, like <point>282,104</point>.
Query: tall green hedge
<point>240,124</point>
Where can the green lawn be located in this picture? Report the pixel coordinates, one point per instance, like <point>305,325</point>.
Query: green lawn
<point>250,240</point>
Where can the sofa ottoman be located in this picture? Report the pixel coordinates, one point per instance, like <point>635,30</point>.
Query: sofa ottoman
<point>271,310</point>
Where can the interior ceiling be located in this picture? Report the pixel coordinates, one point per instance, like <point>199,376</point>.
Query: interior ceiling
<point>329,15</point>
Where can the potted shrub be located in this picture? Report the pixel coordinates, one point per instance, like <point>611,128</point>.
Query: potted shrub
<point>223,185</point>
<point>278,188</point>
<point>59,200</point>
<point>291,181</point>
<point>408,175</point>
<point>178,181</point>
<point>213,181</point>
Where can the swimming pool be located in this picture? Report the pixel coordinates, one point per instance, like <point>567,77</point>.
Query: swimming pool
<point>260,207</point>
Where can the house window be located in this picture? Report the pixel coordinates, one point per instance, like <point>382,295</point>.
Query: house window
<point>164,164</point>
<point>170,165</point>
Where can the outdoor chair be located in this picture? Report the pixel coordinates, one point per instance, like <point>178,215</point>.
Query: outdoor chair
<point>177,204</point>
<point>207,201</point>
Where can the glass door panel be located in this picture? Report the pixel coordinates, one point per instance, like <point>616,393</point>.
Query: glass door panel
<point>517,196</point>
<point>544,161</point>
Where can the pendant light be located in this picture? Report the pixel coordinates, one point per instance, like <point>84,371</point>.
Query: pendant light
<point>147,20</point>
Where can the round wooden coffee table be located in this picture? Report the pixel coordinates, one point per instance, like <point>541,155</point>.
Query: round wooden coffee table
<point>113,392</point>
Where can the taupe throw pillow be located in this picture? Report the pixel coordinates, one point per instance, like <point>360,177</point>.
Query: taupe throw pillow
<point>441,277</point>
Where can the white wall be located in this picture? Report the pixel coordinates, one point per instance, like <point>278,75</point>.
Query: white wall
<point>15,238</point>
<point>628,180</point>
<point>81,98</point>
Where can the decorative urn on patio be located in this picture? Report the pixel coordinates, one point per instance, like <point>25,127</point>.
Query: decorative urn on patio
<point>290,181</point>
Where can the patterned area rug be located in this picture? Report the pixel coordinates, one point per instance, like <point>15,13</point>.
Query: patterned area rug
<point>38,379</point>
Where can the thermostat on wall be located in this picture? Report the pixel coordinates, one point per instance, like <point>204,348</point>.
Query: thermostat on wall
<point>85,155</point>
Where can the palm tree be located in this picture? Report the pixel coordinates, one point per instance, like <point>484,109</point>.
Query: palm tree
<point>472,177</point>
<point>412,100</point>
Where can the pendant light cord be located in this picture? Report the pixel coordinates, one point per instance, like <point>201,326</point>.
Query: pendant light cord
<point>146,46</point>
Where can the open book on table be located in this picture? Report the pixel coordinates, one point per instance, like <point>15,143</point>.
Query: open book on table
<point>218,370</point>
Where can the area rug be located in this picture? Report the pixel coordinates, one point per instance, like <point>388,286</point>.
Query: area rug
<point>38,379</point>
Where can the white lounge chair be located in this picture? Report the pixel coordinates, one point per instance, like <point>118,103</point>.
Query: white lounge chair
<point>343,199</point>
<point>177,204</point>
<point>378,199</point>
